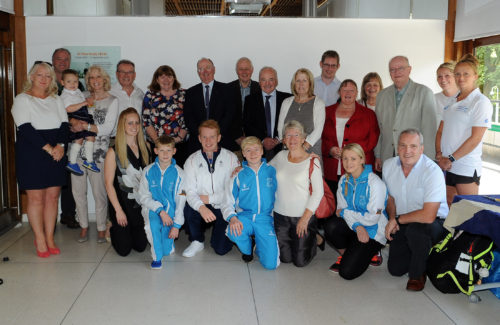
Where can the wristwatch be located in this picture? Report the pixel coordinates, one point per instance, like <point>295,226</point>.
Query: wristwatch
<point>451,158</point>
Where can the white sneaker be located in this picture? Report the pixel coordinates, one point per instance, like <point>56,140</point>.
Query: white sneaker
<point>193,249</point>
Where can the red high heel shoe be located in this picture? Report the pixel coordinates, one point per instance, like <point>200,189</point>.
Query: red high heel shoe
<point>54,251</point>
<point>41,254</point>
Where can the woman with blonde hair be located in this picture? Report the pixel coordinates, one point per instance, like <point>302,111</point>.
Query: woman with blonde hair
<point>459,139</point>
<point>122,172</point>
<point>104,108</point>
<point>41,132</point>
<point>446,80</point>
<point>306,108</point>
<point>359,231</point>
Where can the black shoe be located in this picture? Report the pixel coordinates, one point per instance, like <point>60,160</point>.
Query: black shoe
<point>335,267</point>
<point>70,222</point>
<point>249,258</point>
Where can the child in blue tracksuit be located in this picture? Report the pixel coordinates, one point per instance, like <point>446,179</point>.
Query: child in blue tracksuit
<point>249,204</point>
<point>162,199</point>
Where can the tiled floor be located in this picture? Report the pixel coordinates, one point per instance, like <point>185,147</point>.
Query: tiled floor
<point>90,284</point>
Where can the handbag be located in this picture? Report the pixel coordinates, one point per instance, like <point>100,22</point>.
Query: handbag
<point>326,206</point>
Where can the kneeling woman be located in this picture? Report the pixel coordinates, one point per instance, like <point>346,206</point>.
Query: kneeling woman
<point>294,220</point>
<point>359,232</point>
<point>122,172</point>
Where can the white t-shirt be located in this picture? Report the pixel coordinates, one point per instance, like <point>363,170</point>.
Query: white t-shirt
<point>340,126</point>
<point>70,97</point>
<point>458,119</point>
<point>443,101</point>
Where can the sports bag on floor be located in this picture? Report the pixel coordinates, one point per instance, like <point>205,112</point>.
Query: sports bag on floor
<point>457,263</point>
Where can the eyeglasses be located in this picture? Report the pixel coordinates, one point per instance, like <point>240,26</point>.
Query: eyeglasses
<point>400,69</point>
<point>331,66</point>
<point>38,62</point>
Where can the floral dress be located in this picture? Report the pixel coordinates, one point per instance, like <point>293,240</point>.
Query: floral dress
<point>165,114</point>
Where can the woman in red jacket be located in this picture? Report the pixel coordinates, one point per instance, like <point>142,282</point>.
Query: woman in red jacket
<point>347,122</point>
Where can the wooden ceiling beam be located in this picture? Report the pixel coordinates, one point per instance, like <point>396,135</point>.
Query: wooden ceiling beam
<point>178,7</point>
<point>264,12</point>
<point>223,8</point>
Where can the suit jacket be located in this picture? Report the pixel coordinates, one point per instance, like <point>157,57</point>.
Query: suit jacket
<point>416,110</point>
<point>235,93</point>
<point>254,117</point>
<point>195,113</point>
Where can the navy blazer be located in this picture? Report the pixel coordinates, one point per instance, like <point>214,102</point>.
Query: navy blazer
<point>237,123</point>
<point>254,116</point>
<point>195,113</point>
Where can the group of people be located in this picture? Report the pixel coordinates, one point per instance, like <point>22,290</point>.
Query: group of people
<point>250,160</point>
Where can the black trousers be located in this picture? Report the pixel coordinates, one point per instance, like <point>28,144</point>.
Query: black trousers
<point>197,226</point>
<point>132,236</point>
<point>409,249</point>
<point>299,251</point>
<point>68,208</point>
<point>357,255</point>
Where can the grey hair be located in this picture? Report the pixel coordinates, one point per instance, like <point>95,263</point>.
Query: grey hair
<point>413,131</point>
<point>293,124</point>
<point>201,59</point>
<point>269,68</point>
<point>243,59</point>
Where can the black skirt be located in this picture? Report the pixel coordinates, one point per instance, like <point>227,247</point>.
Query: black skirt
<point>35,168</point>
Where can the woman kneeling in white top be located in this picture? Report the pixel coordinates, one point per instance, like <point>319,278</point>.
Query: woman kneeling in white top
<point>294,219</point>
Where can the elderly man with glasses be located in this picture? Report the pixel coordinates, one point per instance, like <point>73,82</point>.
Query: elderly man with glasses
<point>404,104</point>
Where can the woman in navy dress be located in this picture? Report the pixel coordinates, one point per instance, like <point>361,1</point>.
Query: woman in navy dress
<point>42,129</point>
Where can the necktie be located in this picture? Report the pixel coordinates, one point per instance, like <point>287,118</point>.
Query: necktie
<point>267,108</point>
<point>207,100</point>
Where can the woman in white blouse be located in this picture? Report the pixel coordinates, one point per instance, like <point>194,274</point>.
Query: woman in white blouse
<point>104,107</point>
<point>42,129</point>
<point>294,219</point>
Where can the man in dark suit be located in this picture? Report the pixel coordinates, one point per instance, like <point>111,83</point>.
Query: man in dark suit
<point>261,112</point>
<point>208,100</point>
<point>239,89</point>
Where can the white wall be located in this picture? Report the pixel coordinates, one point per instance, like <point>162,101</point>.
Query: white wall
<point>285,43</point>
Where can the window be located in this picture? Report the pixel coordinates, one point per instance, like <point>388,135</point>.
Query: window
<point>489,78</point>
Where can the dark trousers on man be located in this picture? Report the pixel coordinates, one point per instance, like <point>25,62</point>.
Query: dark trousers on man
<point>197,226</point>
<point>409,249</point>
<point>68,208</point>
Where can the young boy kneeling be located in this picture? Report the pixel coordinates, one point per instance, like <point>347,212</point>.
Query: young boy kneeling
<point>252,193</point>
<point>162,199</point>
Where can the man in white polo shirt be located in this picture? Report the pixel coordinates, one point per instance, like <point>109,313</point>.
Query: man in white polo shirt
<point>416,207</point>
